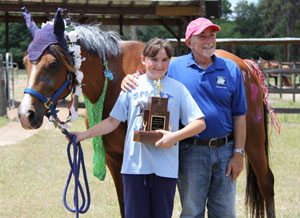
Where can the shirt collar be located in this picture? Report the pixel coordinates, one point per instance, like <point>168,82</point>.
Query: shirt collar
<point>218,63</point>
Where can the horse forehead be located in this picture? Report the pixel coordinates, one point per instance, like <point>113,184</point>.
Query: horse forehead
<point>43,38</point>
<point>47,58</point>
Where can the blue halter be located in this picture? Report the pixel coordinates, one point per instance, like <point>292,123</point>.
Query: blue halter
<point>49,102</point>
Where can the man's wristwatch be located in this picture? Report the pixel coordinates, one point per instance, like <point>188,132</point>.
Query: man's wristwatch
<point>240,151</point>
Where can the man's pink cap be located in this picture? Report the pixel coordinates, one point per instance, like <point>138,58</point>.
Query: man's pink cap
<point>197,26</point>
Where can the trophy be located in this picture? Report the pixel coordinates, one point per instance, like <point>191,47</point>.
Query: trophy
<point>155,116</point>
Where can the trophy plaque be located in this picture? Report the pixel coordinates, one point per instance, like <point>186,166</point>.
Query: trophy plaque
<point>155,116</point>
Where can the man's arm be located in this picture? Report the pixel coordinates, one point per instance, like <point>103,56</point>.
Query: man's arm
<point>236,163</point>
<point>129,81</point>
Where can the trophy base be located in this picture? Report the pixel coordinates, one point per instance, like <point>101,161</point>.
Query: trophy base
<point>147,137</point>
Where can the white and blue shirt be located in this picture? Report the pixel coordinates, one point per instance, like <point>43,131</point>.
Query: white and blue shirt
<point>142,158</point>
<point>218,90</point>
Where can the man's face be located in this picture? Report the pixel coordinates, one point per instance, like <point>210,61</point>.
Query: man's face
<point>203,44</point>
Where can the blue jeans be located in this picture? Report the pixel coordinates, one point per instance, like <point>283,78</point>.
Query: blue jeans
<point>202,181</point>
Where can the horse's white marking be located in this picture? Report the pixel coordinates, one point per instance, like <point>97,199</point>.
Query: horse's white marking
<point>32,75</point>
<point>25,104</point>
<point>27,99</point>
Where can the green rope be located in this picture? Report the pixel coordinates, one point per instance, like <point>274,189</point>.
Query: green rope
<point>94,112</point>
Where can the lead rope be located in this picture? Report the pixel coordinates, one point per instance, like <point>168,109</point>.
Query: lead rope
<point>75,163</point>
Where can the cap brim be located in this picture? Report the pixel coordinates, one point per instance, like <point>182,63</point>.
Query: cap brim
<point>213,26</point>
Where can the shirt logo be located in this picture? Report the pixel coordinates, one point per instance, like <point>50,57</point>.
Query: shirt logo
<point>220,81</point>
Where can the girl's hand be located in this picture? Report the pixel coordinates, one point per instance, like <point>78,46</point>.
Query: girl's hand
<point>78,136</point>
<point>167,140</point>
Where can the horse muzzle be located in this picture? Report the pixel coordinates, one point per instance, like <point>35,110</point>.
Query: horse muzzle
<point>28,115</point>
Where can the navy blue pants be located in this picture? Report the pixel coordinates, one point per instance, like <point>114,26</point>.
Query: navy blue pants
<point>148,196</point>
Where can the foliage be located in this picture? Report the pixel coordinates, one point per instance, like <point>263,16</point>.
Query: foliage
<point>280,19</point>
<point>248,19</point>
<point>269,18</point>
<point>226,9</point>
<point>19,39</point>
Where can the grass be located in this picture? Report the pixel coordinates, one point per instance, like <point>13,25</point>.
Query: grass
<point>3,121</point>
<point>286,102</point>
<point>33,174</point>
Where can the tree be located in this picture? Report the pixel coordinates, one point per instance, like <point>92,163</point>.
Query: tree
<point>226,9</point>
<point>19,39</point>
<point>248,19</point>
<point>280,19</point>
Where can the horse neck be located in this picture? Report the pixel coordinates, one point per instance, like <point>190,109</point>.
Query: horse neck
<point>93,81</point>
<point>93,76</point>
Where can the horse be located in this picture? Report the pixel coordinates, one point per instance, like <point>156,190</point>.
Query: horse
<point>272,64</point>
<point>48,73</point>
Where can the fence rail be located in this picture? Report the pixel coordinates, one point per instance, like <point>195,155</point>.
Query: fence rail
<point>289,74</point>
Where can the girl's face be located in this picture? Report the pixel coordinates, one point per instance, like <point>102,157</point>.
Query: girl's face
<point>157,66</point>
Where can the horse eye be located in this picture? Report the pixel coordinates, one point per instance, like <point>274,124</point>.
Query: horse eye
<point>54,65</point>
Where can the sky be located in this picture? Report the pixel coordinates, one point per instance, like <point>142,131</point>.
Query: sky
<point>233,2</point>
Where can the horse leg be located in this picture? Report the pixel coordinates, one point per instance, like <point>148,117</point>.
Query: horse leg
<point>114,164</point>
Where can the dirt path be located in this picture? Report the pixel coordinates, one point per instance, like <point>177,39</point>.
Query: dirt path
<point>13,132</point>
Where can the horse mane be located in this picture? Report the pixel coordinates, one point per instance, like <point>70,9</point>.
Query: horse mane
<point>97,41</point>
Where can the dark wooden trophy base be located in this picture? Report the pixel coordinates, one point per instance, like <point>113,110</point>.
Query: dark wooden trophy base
<point>147,137</point>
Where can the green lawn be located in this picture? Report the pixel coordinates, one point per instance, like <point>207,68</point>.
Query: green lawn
<point>33,174</point>
<point>3,121</point>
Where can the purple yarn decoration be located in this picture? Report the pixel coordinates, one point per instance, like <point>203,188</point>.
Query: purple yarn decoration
<point>32,27</point>
<point>48,35</point>
<point>257,116</point>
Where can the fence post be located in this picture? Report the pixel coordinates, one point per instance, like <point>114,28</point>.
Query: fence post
<point>3,101</point>
<point>294,82</point>
<point>280,80</point>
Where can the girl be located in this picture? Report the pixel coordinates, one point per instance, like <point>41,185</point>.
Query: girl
<point>150,171</point>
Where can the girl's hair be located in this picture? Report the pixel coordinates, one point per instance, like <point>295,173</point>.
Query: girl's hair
<point>153,46</point>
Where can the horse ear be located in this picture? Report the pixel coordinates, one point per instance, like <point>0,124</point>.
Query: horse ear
<point>59,24</point>
<point>32,27</point>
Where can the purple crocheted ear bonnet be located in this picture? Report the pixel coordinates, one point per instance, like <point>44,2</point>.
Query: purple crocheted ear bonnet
<point>47,35</point>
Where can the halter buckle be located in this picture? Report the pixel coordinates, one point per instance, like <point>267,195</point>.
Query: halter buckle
<point>48,103</point>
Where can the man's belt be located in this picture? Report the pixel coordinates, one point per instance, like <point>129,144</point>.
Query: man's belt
<point>213,142</point>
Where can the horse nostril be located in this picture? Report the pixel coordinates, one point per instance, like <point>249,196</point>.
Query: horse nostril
<point>31,115</point>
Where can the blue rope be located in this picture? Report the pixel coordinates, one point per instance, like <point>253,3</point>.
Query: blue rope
<point>75,163</point>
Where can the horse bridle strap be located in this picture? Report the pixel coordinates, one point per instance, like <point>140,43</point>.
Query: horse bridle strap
<point>49,102</point>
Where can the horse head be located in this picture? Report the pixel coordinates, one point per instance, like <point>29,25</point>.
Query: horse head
<point>48,66</point>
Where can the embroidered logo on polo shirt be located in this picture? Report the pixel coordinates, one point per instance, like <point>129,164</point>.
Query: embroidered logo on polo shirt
<point>220,81</point>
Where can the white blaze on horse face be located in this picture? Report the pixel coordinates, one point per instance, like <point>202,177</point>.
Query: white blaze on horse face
<point>26,103</point>
<point>32,76</point>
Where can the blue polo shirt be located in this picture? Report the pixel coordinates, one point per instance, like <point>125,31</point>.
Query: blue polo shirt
<point>219,91</point>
